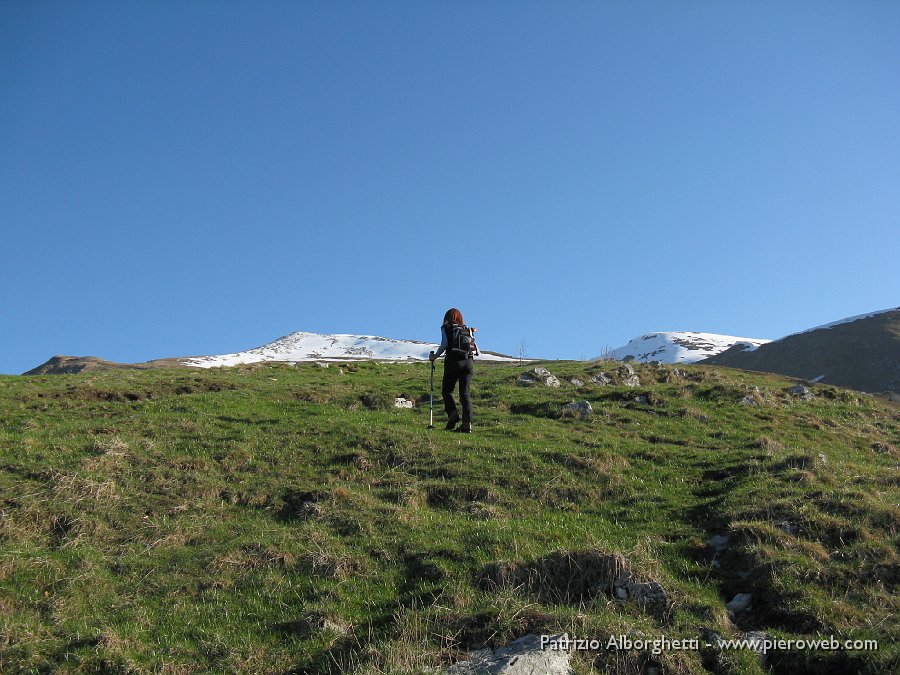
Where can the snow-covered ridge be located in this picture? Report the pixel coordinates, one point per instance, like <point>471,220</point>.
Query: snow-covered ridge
<point>302,346</point>
<point>849,319</point>
<point>681,346</point>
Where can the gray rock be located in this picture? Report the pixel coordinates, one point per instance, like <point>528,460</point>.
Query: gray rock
<point>577,382</point>
<point>740,603</point>
<point>401,402</point>
<point>582,408</point>
<point>648,595</point>
<point>602,379</point>
<point>748,400</point>
<point>719,541</point>
<point>632,381</point>
<point>801,391</point>
<point>521,657</point>
<point>625,370</point>
<point>321,364</point>
<point>710,637</point>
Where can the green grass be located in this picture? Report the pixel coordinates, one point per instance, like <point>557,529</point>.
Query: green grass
<point>289,519</point>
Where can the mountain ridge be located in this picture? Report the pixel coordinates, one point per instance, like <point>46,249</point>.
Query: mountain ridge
<point>296,347</point>
<point>860,352</point>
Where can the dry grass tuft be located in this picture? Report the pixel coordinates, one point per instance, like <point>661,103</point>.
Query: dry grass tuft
<point>561,576</point>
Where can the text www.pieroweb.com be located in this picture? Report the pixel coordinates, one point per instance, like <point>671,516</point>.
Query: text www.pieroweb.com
<point>659,645</point>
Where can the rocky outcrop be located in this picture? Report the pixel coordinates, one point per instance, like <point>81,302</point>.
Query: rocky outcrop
<point>538,376</point>
<point>627,376</point>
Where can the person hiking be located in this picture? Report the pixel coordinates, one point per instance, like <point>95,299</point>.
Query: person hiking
<point>457,340</point>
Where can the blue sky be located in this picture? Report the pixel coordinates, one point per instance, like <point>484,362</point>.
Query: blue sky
<point>181,178</point>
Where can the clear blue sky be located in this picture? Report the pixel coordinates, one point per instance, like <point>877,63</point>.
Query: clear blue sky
<point>182,178</point>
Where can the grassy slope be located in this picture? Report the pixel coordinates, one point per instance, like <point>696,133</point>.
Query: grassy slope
<point>270,518</point>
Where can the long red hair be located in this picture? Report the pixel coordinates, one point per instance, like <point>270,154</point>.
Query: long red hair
<point>452,316</point>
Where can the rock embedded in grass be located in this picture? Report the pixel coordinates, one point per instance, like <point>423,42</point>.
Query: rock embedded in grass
<point>740,603</point>
<point>582,408</point>
<point>649,595</point>
<point>800,391</point>
<point>528,655</point>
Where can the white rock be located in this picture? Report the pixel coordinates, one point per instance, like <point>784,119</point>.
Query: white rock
<point>740,602</point>
<point>522,657</point>
<point>401,402</point>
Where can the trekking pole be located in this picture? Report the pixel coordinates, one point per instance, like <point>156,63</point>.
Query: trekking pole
<point>431,398</point>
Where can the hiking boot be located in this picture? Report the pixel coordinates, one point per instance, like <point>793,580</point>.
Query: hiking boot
<point>466,428</point>
<point>452,422</point>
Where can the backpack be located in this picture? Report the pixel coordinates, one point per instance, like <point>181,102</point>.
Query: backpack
<point>462,339</point>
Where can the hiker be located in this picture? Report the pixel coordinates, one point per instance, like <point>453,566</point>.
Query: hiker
<point>458,341</point>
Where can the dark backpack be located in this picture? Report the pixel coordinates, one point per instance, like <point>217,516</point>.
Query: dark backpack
<point>462,340</point>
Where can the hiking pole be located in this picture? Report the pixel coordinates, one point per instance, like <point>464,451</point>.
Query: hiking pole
<point>431,397</point>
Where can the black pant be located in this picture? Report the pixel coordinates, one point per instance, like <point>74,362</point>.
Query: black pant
<point>458,370</point>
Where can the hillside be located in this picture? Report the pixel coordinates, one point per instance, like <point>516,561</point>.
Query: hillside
<point>860,352</point>
<point>69,365</point>
<point>681,346</point>
<point>277,519</point>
